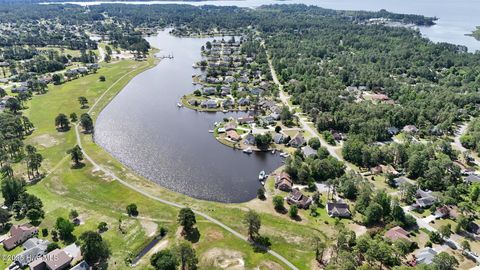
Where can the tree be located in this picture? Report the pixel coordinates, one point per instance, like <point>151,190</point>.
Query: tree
<point>86,122</point>
<point>65,228</point>
<point>373,214</point>
<point>12,188</point>
<point>57,78</point>
<point>444,261</point>
<point>445,230</point>
<point>83,102</point>
<point>62,122</point>
<point>465,245</point>
<point>73,117</point>
<point>263,141</point>
<point>4,217</point>
<point>76,154</point>
<point>186,255</point>
<point>34,215</point>
<point>186,218</point>
<point>52,246</point>
<point>278,203</point>
<point>94,250</point>
<point>293,212</point>
<point>102,226</point>
<point>314,143</point>
<point>73,214</point>
<point>164,260</point>
<point>261,194</point>
<point>253,222</point>
<point>13,104</point>
<point>132,210</point>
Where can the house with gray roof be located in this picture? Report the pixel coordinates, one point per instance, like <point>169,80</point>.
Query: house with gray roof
<point>83,265</point>
<point>297,141</point>
<point>209,104</point>
<point>426,255</point>
<point>27,256</point>
<point>472,178</point>
<point>209,90</point>
<point>308,151</point>
<point>279,138</point>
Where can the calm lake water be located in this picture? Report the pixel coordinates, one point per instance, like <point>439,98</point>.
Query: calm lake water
<point>456,18</point>
<point>143,128</point>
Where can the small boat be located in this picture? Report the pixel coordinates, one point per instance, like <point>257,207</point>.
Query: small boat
<point>262,182</point>
<point>211,131</point>
<point>273,152</point>
<point>225,111</point>
<point>284,155</point>
<point>179,105</point>
<point>248,150</point>
<point>261,175</point>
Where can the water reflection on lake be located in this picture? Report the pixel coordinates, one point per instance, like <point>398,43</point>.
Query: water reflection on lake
<point>143,128</point>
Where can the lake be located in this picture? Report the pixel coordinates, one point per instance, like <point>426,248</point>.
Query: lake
<point>143,128</point>
<point>456,18</point>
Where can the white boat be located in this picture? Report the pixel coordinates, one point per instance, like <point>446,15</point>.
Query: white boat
<point>248,150</point>
<point>284,155</point>
<point>261,175</point>
<point>211,131</point>
<point>225,111</point>
<point>262,182</point>
<point>179,105</point>
<point>273,152</point>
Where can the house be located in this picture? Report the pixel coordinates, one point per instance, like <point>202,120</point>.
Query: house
<point>283,182</point>
<point>338,209</point>
<point>410,129</point>
<point>297,141</point>
<point>425,201</point>
<point>209,104</point>
<point>19,89</point>
<point>249,139</point>
<point>246,120</point>
<point>256,91</point>
<point>233,135</point>
<point>267,120</point>
<point>230,126</point>
<point>209,90</point>
<point>308,151</point>
<point>279,138</point>
<point>376,170</point>
<point>27,256</point>
<point>472,178</point>
<point>297,198</point>
<point>426,255</point>
<point>397,233</point>
<point>399,181</point>
<point>18,235</point>
<point>227,103</point>
<point>447,211</point>
<point>244,102</point>
<point>275,116</point>
<point>83,265</point>
<point>392,131</point>
<point>57,259</point>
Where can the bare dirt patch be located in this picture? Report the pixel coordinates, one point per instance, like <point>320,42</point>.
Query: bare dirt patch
<point>269,265</point>
<point>223,259</point>
<point>214,235</point>
<point>45,140</point>
<point>150,227</point>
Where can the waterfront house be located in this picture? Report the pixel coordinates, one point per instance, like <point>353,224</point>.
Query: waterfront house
<point>233,135</point>
<point>227,103</point>
<point>209,91</point>
<point>230,126</point>
<point>283,182</point>
<point>19,234</point>
<point>246,120</point>
<point>426,255</point>
<point>397,233</point>
<point>297,141</point>
<point>296,197</point>
<point>338,209</point>
<point>209,104</point>
<point>279,138</point>
<point>249,139</point>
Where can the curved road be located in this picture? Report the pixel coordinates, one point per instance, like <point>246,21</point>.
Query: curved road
<point>164,201</point>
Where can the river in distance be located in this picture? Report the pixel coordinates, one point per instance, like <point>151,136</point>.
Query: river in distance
<point>144,129</point>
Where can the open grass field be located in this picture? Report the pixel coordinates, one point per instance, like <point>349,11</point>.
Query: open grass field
<point>97,197</point>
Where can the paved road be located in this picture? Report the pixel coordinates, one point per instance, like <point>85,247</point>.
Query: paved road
<point>153,197</point>
<point>304,124</point>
